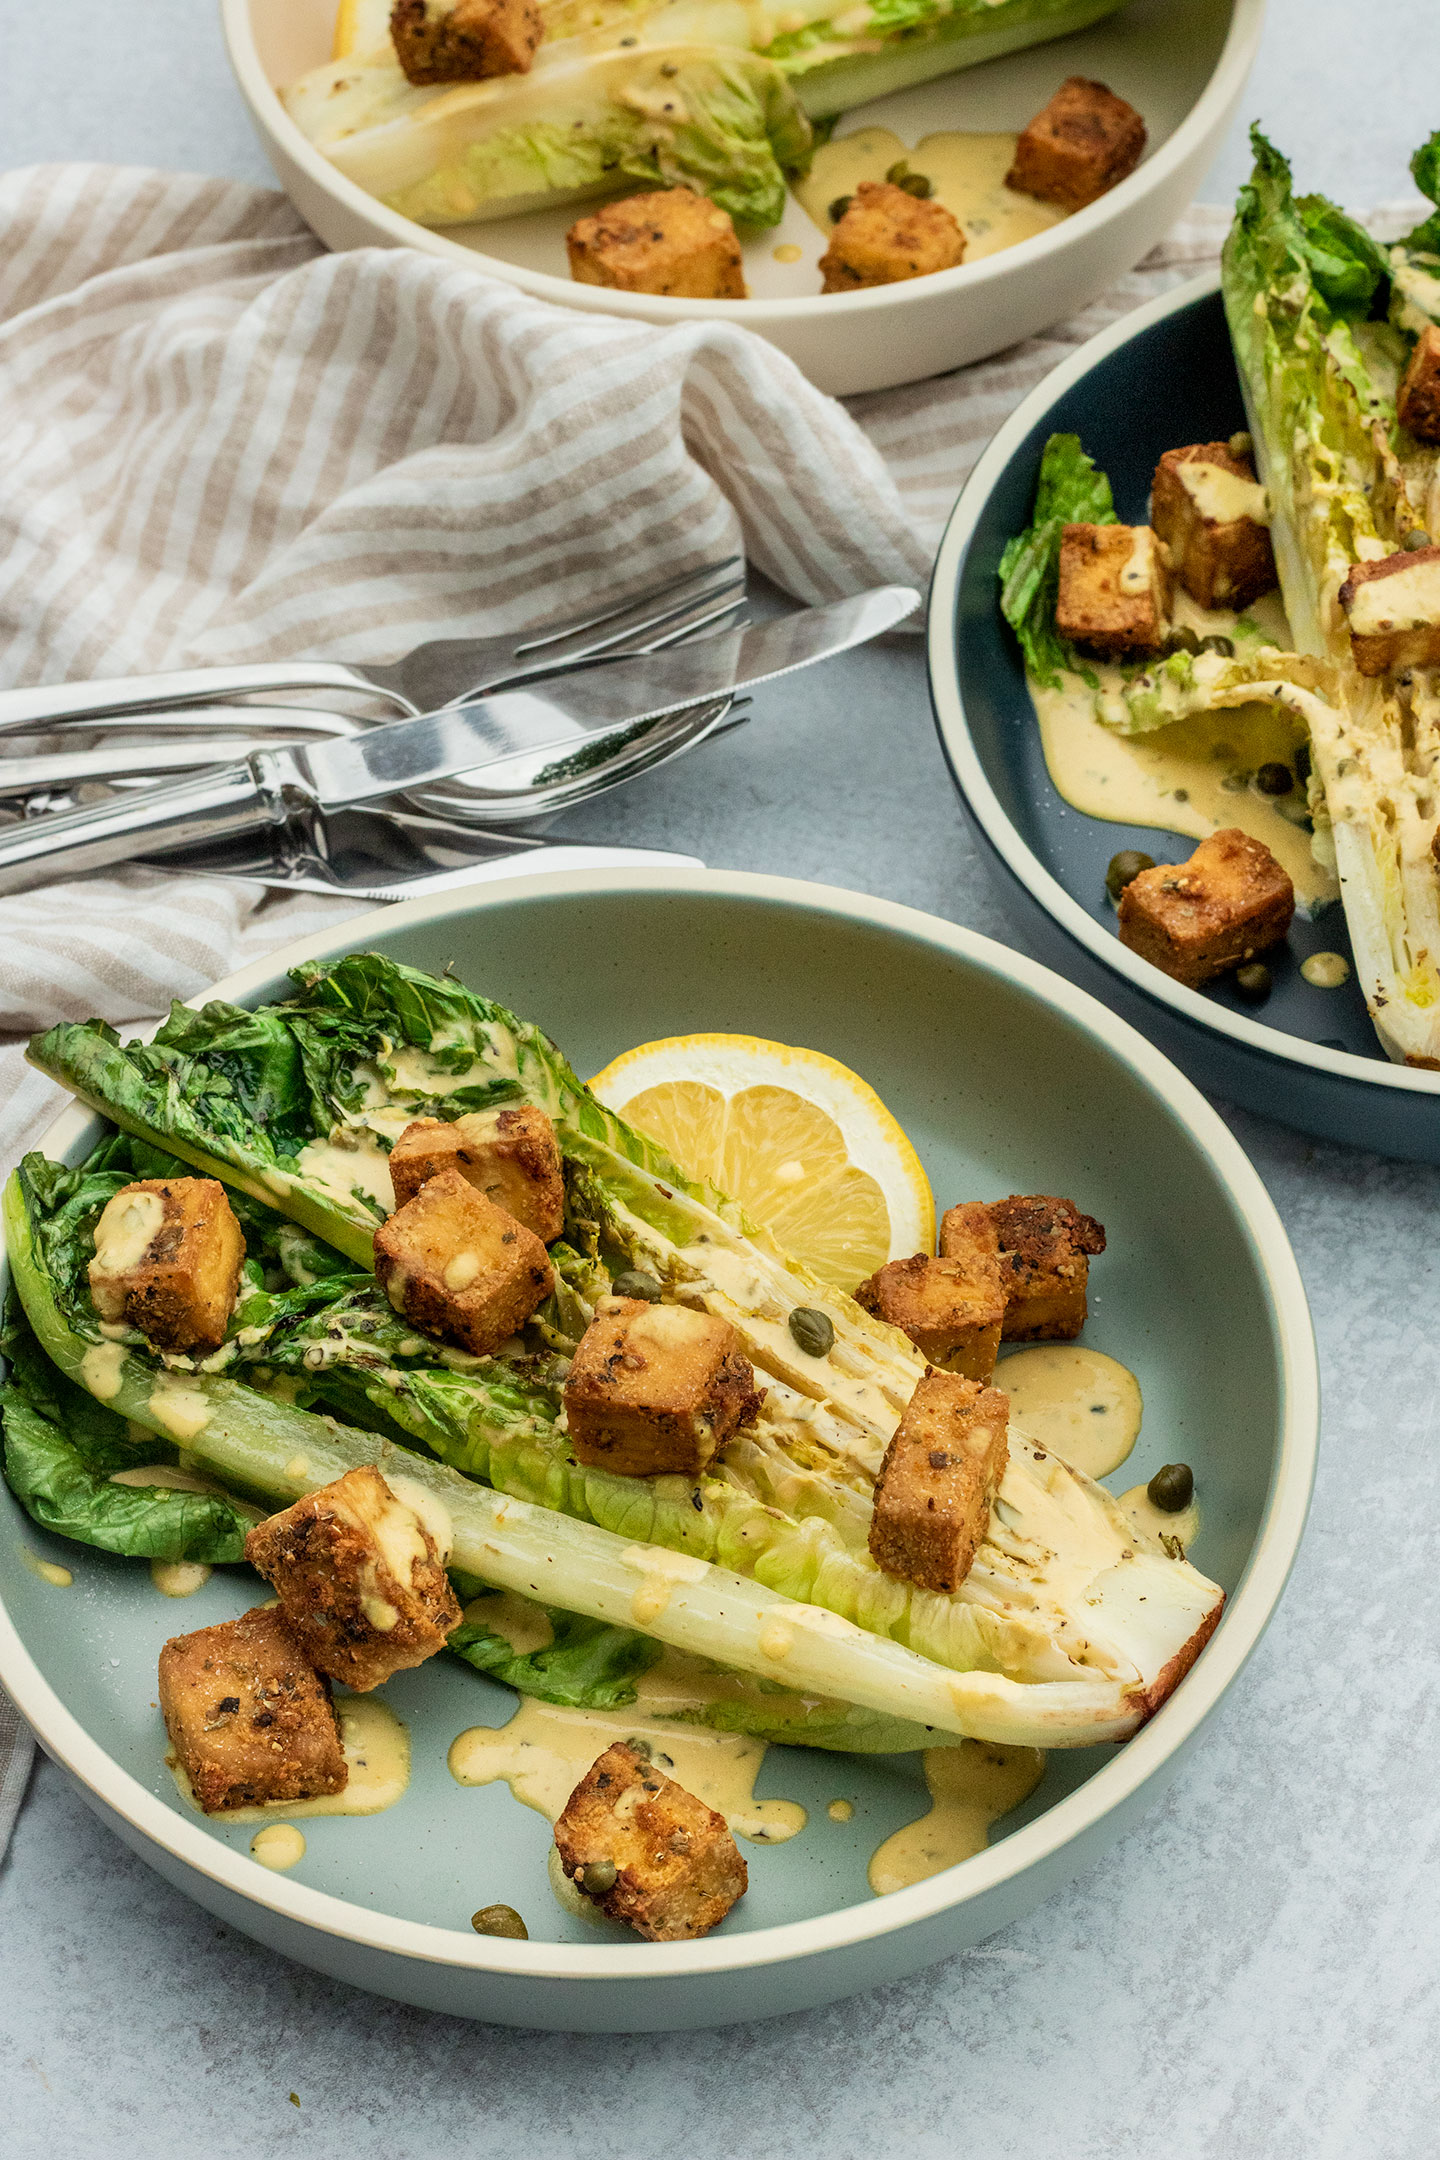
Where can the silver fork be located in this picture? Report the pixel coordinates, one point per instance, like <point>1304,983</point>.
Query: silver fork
<point>440,672</point>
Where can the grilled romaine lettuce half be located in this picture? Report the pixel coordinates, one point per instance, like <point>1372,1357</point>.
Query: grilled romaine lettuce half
<point>1068,1629</point>
<point>1323,320</point>
<point>715,94</point>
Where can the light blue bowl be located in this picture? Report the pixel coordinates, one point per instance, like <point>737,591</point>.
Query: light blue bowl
<point>1007,1079</point>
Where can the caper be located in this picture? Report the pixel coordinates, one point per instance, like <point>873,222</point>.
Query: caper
<point>500,1920</point>
<point>1416,540</point>
<point>597,1877</point>
<point>898,171</point>
<point>1181,640</point>
<point>1215,643</point>
<point>1274,778</point>
<point>634,1282</point>
<point>1172,1487</point>
<point>916,184</point>
<point>1241,443</point>
<point>1123,867</point>
<point>813,1331</point>
<point>838,208</point>
<point>1253,982</point>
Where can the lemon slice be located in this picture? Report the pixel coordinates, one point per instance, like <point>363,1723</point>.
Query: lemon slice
<point>799,1140</point>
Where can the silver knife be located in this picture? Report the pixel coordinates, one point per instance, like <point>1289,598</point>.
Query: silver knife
<point>567,714</point>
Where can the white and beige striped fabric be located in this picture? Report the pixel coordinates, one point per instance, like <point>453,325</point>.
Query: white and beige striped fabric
<point>220,443</point>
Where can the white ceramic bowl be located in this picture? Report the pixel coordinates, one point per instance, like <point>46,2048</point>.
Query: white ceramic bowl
<point>1182,63</point>
<point>1001,1072</point>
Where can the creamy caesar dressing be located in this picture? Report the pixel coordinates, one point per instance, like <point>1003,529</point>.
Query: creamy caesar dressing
<point>279,1845</point>
<point>966,174</point>
<point>517,1620</point>
<point>377,1754</point>
<point>49,1571</point>
<point>840,1810</point>
<point>1326,970</point>
<point>1137,572</point>
<point>545,1750</point>
<point>1406,599</point>
<point>971,1787</point>
<point>1191,777</point>
<point>128,1226</point>
<point>1078,1403</point>
<point>1158,1529</point>
<point>179,1578</point>
<point>179,1410</point>
<point>102,1368</point>
<point>1222,496</point>
<point>352,1160</point>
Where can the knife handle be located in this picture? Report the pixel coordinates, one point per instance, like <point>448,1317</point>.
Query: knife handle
<point>259,791</point>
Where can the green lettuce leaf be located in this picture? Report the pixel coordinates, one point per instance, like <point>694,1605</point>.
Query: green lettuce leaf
<point>62,1449</point>
<point>1071,491</point>
<point>588,1666</point>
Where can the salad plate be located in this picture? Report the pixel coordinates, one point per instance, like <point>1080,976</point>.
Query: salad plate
<point>1310,1057</point>
<point>1005,1078</point>
<point>1183,67</point>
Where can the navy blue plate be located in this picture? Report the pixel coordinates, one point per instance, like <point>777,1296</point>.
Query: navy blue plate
<point>1164,375</point>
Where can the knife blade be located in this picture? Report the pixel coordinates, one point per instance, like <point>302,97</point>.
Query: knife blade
<point>563,712</point>
<point>272,786</point>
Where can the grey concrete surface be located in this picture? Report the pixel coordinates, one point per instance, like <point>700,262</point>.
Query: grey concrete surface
<point>1253,1972</point>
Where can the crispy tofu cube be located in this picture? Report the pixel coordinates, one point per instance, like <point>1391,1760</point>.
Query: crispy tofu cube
<point>1078,146</point>
<point>360,1580</point>
<point>1045,1243</point>
<point>1393,610</point>
<point>1200,918</point>
<point>672,1868</point>
<point>887,236</point>
<point>248,1716</point>
<point>951,1308</point>
<point>1211,516</point>
<point>511,1155</point>
<point>1114,593</point>
<point>940,1473</point>
<point>673,242</point>
<point>167,1261</point>
<point>466,40</point>
<point>459,1267</point>
<point>657,1389</point>
<point>1418,403</point>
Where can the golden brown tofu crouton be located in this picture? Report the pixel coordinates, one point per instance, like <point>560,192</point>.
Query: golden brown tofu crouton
<point>1044,1247</point>
<point>459,1267</point>
<point>167,1261</point>
<point>646,1851</point>
<point>1198,919</point>
<point>940,1473</point>
<point>1418,403</point>
<point>248,1716</point>
<point>510,1155</point>
<point>1078,146</point>
<point>439,41</point>
<point>951,1309</point>
<point>887,236</point>
<point>1114,593</point>
<point>1211,515</point>
<point>360,1580</point>
<point>1393,610</point>
<point>673,242</point>
<point>657,1389</point>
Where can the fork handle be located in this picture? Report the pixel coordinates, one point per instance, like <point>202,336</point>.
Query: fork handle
<point>41,706</point>
<point>253,794</point>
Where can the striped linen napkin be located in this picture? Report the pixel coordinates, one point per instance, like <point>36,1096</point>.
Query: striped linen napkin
<point>224,444</point>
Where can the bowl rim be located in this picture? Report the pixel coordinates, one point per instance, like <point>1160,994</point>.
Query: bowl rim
<point>1247,1612</point>
<point>973,782</point>
<point>1225,83</point>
